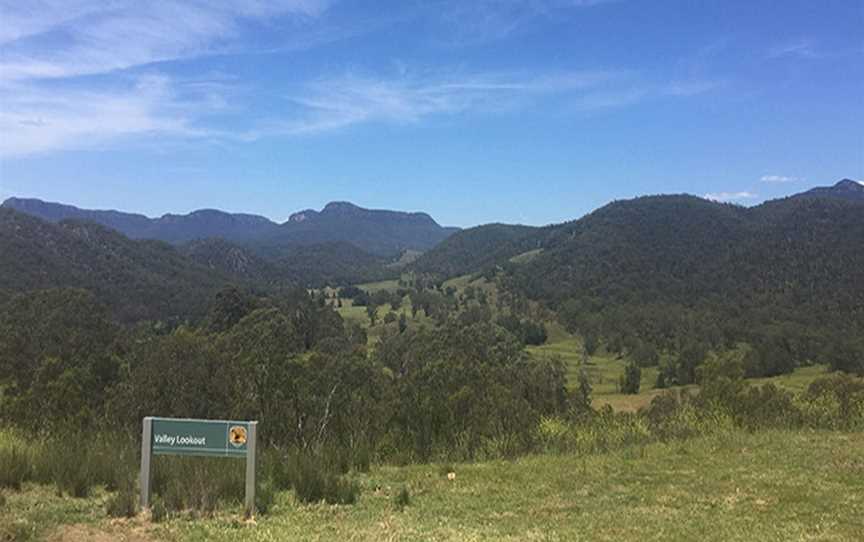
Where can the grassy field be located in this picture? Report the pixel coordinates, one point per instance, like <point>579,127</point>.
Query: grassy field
<point>738,486</point>
<point>604,369</point>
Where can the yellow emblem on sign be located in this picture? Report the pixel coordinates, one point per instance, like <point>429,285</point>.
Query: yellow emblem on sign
<point>237,435</point>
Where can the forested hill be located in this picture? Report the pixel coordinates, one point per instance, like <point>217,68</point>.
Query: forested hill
<point>472,249</point>
<point>380,232</point>
<point>137,279</point>
<point>673,271</point>
<point>687,250</point>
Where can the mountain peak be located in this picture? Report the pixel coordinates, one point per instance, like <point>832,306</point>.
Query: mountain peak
<point>849,184</point>
<point>303,216</point>
<point>847,189</point>
<point>336,206</point>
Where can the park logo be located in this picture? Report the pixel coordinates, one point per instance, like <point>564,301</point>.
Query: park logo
<point>237,436</point>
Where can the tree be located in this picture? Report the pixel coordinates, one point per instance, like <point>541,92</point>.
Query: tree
<point>372,313</point>
<point>631,379</point>
<point>583,391</point>
<point>229,306</point>
<point>590,342</point>
<point>403,323</point>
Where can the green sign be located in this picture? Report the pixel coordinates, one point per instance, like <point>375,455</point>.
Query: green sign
<point>199,437</point>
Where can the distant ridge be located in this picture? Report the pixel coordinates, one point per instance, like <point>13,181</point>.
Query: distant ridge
<point>380,232</point>
<point>847,189</point>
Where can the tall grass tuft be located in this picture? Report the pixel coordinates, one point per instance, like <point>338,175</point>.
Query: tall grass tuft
<point>314,479</point>
<point>15,465</point>
<point>198,484</point>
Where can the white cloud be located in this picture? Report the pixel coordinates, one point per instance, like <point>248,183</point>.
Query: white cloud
<point>53,38</point>
<point>730,196</point>
<point>35,120</point>
<point>779,179</point>
<point>45,116</point>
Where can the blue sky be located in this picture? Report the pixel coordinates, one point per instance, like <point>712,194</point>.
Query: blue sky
<point>530,111</point>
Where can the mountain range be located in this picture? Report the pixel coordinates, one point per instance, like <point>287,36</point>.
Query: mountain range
<point>378,232</point>
<point>801,254</point>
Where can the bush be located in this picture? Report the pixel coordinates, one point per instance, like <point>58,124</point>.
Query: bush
<point>122,504</point>
<point>316,480</point>
<point>341,491</point>
<point>554,435</point>
<point>402,499</point>
<point>834,402</point>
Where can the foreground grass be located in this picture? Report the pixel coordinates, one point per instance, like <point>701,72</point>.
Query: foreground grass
<point>764,486</point>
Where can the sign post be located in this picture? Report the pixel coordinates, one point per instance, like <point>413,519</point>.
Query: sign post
<point>208,438</point>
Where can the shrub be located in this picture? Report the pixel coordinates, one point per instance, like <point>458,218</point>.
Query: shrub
<point>122,504</point>
<point>402,499</point>
<point>767,406</point>
<point>2,500</point>
<point>554,435</point>
<point>833,402</point>
<point>339,490</point>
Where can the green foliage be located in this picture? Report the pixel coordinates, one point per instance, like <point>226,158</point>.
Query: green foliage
<point>402,499</point>
<point>136,280</point>
<point>683,274</point>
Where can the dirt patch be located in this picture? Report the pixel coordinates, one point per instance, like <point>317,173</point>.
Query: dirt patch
<point>114,532</point>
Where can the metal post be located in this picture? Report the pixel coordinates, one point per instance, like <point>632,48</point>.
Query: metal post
<point>146,450</point>
<point>251,447</point>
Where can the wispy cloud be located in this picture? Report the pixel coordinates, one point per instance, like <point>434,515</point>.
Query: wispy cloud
<point>779,179</point>
<point>730,196</point>
<point>39,117</point>
<point>802,48</point>
<point>64,38</point>
<point>65,83</point>
<point>35,120</point>
<point>481,21</point>
<point>338,102</point>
